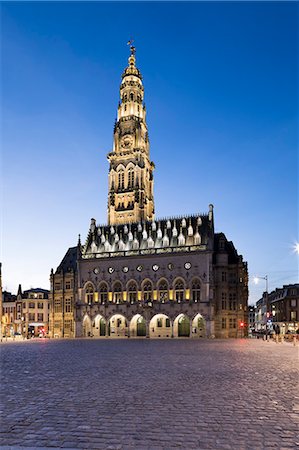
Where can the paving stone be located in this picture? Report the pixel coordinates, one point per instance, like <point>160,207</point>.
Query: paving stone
<point>149,394</point>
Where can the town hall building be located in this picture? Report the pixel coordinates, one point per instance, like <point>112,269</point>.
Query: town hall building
<point>141,276</point>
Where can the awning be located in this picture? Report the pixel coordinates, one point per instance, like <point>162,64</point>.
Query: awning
<point>36,324</point>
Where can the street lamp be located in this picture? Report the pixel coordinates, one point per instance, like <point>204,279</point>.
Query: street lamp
<point>256,280</point>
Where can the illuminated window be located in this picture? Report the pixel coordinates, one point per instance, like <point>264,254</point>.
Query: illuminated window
<point>147,291</point>
<point>89,294</point>
<point>179,291</point>
<point>103,293</point>
<point>195,291</point>
<point>163,291</point>
<point>117,293</point>
<point>223,323</point>
<point>132,292</point>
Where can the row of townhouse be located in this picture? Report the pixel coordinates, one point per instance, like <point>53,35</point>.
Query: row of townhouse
<point>25,314</point>
<point>278,310</point>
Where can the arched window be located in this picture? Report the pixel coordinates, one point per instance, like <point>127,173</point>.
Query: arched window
<point>121,180</point>
<point>147,291</point>
<point>117,293</point>
<point>195,291</point>
<point>103,293</point>
<point>163,291</point>
<point>131,177</point>
<point>179,291</point>
<point>132,292</point>
<point>125,98</point>
<point>132,96</point>
<point>89,294</point>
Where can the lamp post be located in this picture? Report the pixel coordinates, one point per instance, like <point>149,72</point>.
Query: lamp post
<point>256,280</point>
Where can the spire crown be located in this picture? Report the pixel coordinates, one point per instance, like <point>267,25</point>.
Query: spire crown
<point>132,69</point>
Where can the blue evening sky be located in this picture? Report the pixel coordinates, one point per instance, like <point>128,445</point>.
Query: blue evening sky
<point>222,99</point>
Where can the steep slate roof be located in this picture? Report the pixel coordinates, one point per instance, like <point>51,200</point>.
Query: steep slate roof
<point>195,232</point>
<point>8,297</point>
<point>229,248</point>
<point>69,261</point>
<point>36,290</point>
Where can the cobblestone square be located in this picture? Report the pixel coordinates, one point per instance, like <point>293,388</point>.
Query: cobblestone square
<point>149,394</point>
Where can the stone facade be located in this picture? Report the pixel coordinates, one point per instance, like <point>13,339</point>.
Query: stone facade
<point>284,309</point>
<point>32,312</point>
<point>141,276</point>
<point>130,197</point>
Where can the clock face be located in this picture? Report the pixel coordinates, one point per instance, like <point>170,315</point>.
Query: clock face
<point>126,141</point>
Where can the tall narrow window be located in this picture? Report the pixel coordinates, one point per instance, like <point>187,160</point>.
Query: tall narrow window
<point>89,294</point>
<point>103,293</point>
<point>147,291</point>
<point>121,180</point>
<point>163,291</point>
<point>117,293</point>
<point>131,178</point>
<point>132,292</point>
<point>195,292</point>
<point>179,291</point>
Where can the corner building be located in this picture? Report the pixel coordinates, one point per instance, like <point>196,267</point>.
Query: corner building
<point>140,276</point>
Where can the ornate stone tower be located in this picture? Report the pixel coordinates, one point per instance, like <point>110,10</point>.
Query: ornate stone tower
<point>130,197</point>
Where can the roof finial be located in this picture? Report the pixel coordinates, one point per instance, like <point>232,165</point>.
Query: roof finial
<point>132,48</point>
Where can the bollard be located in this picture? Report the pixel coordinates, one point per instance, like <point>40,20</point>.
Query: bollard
<point>294,340</point>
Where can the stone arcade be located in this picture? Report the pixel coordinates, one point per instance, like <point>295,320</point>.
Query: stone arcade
<point>140,276</point>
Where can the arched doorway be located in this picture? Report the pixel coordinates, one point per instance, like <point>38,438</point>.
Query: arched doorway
<point>87,327</point>
<point>199,328</point>
<point>160,326</point>
<point>181,326</point>
<point>118,326</point>
<point>99,326</point>
<point>138,326</point>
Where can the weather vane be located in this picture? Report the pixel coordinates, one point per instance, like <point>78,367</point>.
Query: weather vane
<point>132,48</point>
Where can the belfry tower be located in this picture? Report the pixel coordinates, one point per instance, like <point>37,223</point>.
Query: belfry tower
<point>130,190</point>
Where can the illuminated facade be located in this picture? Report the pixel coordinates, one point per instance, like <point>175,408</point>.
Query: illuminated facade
<point>141,276</point>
